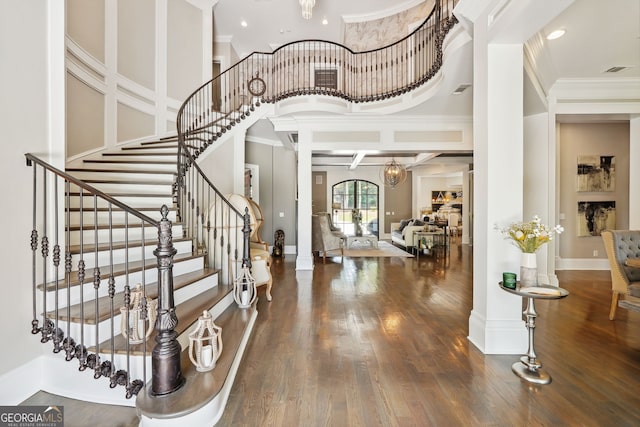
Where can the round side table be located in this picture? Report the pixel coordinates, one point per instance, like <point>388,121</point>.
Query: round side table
<point>529,367</point>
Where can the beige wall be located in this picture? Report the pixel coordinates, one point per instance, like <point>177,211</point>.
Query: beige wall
<point>398,201</point>
<point>85,25</point>
<point>85,117</point>
<point>277,188</point>
<point>184,49</point>
<point>591,139</point>
<point>136,41</point>
<point>133,124</point>
<point>154,60</point>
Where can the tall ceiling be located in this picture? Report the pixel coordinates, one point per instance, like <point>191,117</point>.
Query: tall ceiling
<point>599,35</point>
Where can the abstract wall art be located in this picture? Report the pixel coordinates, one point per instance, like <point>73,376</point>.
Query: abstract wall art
<point>593,217</point>
<point>596,173</point>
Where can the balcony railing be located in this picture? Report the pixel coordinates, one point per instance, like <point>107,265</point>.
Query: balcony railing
<point>309,67</point>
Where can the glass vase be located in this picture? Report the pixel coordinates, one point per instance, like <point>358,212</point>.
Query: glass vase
<point>528,270</point>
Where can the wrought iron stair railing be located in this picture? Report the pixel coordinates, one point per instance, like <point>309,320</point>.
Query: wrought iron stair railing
<point>85,269</point>
<point>296,69</point>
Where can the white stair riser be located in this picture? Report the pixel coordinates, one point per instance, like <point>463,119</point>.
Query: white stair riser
<point>124,174</point>
<point>146,156</point>
<point>136,188</point>
<point>118,234</point>
<point>104,327</point>
<point>137,201</point>
<point>119,255</point>
<point>117,216</point>
<point>151,276</point>
<point>168,149</point>
<point>125,167</point>
<point>65,379</point>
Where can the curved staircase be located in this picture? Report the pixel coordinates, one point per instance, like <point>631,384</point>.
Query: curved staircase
<point>140,216</point>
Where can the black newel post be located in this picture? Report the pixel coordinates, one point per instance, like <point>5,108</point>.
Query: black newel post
<point>166,375</point>
<point>246,239</point>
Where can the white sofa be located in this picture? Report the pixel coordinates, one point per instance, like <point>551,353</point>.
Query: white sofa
<point>404,237</point>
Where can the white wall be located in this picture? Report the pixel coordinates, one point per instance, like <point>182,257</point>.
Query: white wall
<point>32,102</point>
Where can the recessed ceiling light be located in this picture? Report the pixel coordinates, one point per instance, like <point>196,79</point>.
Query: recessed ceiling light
<point>324,21</point>
<point>243,23</point>
<point>555,34</point>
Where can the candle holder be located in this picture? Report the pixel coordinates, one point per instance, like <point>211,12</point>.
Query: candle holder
<point>138,316</point>
<point>205,343</point>
<point>244,288</point>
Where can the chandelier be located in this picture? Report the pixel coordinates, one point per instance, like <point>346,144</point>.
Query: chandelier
<point>393,174</point>
<point>307,5</point>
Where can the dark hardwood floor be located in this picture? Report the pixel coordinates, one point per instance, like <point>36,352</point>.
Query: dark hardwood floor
<point>383,342</point>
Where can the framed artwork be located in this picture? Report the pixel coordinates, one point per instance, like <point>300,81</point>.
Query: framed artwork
<point>593,217</point>
<point>596,173</point>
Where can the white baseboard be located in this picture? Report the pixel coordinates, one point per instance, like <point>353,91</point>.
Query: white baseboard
<point>21,383</point>
<point>288,249</point>
<point>582,264</point>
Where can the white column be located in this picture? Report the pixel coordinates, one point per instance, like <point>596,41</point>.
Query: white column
<point>495,324</point>
<point>305,257</point>
<point>465,206</point>
<point>238,159</point>
<point>634,173</point>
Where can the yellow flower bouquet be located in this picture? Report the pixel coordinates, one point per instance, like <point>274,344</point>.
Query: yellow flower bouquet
<point>529,236</point>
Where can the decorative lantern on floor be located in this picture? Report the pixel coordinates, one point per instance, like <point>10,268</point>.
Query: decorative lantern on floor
<point>205,343</point>
<point>141,319</point>
<point>244,288</point>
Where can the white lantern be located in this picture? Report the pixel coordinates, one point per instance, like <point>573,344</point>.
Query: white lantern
<point>138,329</point>
<point>205,343</point>
<point>244,288</point>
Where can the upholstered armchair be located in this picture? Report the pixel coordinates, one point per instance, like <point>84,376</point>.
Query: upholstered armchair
<point>256,235</point>
<point>324,239</point>
<point>623,252</point>
<point>258,250</point>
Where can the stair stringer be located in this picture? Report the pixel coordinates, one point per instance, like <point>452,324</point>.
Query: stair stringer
<point>64,378</point>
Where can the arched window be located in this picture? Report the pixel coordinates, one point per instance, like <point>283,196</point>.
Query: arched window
<point>355,194</point>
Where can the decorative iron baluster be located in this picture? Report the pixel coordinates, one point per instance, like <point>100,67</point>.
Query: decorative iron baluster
<point>127,325</point>
<point>81,350</point>
<point>46,323</point>
<point>35,328</point>
<point>96,287</point>
<point>57,334</point>
<point>108,366</point>
<point>68,343</point>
